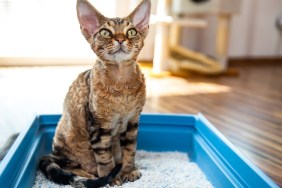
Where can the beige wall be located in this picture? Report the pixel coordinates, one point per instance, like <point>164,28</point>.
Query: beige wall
<point>253,32</point>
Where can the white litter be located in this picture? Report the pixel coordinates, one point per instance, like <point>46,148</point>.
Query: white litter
<point>159,170</point>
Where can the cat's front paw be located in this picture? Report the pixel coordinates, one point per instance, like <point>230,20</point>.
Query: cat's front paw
<point>131,176</point>
<point>116,181</point>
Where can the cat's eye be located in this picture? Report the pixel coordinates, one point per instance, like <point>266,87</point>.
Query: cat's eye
<point>131,33</point>
<point>105,33</point>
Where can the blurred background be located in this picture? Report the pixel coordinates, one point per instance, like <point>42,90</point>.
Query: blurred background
<point>41,28</point>
<point>222,58</point>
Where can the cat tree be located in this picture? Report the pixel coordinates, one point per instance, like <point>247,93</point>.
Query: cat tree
<point>169,54</point>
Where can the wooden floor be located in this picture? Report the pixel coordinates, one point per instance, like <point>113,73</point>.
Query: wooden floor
<point>247,108</point>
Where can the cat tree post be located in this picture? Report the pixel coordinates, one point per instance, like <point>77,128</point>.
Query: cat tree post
<point>161,49</point>
<point>169,54</point>
<point>222,38</point>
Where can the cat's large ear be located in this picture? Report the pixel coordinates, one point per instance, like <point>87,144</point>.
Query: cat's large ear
<point>141,16</point>
<point>89,18</point>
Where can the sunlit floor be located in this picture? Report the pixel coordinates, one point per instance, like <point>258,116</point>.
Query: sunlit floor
<point>247,109</point>
<point>26,92</point>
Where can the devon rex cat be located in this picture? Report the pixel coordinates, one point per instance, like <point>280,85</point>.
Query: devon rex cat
<point>98,128</point>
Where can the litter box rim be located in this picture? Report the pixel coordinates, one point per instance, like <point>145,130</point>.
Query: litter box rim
<point>211,145</point>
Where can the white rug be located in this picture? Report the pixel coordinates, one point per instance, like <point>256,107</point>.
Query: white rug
<point>159,170</point>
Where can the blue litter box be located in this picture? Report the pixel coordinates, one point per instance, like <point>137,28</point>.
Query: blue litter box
<point>221,162</point>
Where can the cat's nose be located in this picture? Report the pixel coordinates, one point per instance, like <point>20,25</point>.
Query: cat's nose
<point>120,39</point>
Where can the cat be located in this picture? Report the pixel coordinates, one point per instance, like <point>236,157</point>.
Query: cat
<point>95,140</point>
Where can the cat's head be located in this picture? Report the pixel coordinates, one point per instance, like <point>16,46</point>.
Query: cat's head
<point>114,39</point>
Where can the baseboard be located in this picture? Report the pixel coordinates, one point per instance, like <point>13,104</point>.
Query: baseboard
<point>255,61</point>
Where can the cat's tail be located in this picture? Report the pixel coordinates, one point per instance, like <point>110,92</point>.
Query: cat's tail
<point>50,167</point>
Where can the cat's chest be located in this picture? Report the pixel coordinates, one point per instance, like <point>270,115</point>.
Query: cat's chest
<point>118,104</point>
<point>126,101</point>
<point>119,99</point>
<point>120,121</point>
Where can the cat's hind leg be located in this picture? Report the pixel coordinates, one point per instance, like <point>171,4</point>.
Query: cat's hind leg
<point>52,168</point>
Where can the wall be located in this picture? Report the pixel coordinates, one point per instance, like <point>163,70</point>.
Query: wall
<point>49,29</point>
<point>253,32</point>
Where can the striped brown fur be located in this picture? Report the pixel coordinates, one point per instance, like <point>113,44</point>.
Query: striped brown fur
<point>99,125</point>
